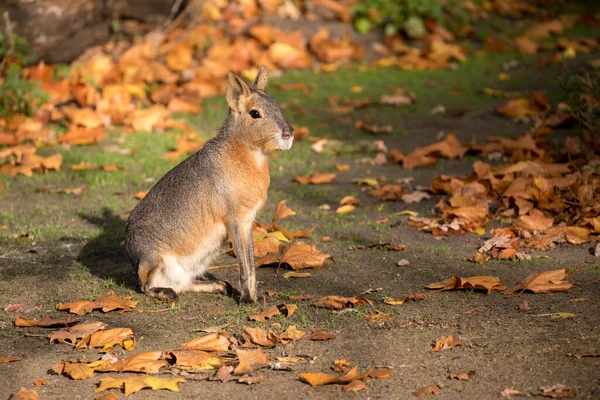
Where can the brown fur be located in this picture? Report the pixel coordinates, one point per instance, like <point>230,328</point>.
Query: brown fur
<point>175,231</point>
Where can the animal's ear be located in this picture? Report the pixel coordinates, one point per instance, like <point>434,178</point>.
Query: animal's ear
<point>237,92</point>
<point>260,82</point>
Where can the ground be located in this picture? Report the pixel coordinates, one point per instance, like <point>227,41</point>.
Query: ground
<point>74,251</point>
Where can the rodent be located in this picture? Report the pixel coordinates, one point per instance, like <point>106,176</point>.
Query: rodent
<point>175,232</point>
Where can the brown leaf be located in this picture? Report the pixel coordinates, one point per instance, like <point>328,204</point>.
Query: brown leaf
<point>281,212</point>
<point>261,337</point>
<point>46,322</point>
<point>149,363</point>
<point>263,247</point>
<point>9,359</point>
<point>291,334</point>
<point>445,342</point>
<point>211,342</point>
<point>535,221</point>
<point>79,136</point>
<point>224,374</point>
<point>250,360</point>
<point>523,107</point>
<point>265,315</point>
<point>339,302</point>
<point>509,392</point>
<point>355,386</point>
<point>379,373</point>
<point>107,302</point>
<point>194,359</point>
<point>318,378</point>
<point>484,283</point>
<point>25,394</point>
<point>316,179</point>
<point>292,274</point>
<point>544,282</point>
<point>319,335</point>
<point>298,256</point>
<point>300,297</point>
<point>250,380</point>
<point>557,391</point>
<point>431,389</point>
<point>462,376</point>
<point>137,383</point>
<point>75,371</point>
<point>394,302</point>
<point>106,339</point>
<point>40,382</point>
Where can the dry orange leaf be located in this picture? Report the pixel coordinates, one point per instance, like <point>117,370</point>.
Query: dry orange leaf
<point>109,301</point>
<point>211,342</point>
<point>250,360</point>
<point>431,389</point>
<point>25,394</point>
<point>319,335</point>
<point>281,212</point>
<point>265,315</point>
<point>149,363</point>
<point>339,302</point>
<point>355,386</point>
<point>40,382</point>
<point>263,247</point>
<point>45,322</point>
<point>291,334</point>
<point>523,107</point>
<point>78,135</point>
<point>484,283</point>
<point>105,339</point>
<point>293,274</point>
<point>395,302</point>
<point>260,337</point>
<point>297,256</point>
<point>141,195</point>
<point>137,383</point>
<point>544,282</point>
<point>535,221</point>
<point>317,178</point>
<point>9,359</point>
<point>446,342</point>
<point>192,359</point>
<point>462,376</point>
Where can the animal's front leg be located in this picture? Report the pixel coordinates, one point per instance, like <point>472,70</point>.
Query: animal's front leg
<point>241,236</point>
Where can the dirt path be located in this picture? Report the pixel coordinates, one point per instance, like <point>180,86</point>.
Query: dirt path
<point>74,252</point>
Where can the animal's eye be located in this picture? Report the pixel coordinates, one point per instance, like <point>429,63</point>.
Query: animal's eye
<point>254,114</point>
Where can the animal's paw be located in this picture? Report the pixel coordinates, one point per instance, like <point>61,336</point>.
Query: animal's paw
<point>247,299</point>
<point>165,294</point>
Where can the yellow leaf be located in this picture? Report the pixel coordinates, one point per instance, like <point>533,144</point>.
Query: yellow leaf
<point>345,209</point>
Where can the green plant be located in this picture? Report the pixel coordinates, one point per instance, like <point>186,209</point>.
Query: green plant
<point>395,16</point>
<point>13,48</point>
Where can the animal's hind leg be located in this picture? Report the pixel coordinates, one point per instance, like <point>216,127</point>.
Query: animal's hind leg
<point>151,279</point>
<point>211,287</point>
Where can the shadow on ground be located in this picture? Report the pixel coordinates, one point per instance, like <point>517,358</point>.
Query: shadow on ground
<point>104,255</point>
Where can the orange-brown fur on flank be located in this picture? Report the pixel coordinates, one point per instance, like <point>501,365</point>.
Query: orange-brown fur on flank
<point>176,230</point>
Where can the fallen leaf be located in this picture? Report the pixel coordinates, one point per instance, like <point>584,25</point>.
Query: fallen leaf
<point>300,297</point>
<point>137,383</point>
<point>224,374</point>
<point>184,359</point>
<point>250,380</point>
<point>394,302</point>
<point>9,359</point>
<point>339,302</point>
<point>291,334</point>
<point>535,221</point>
<point>40,382</point>
<point>297,256</point>
<point>281,212</point>
<point>340,365</point>
<point>318,378</point>
<point>484,283</point>
<point>462,376</point>
<point>355,386</point>
<point>316,179</point>
<point>345,209</point>
<point>25,394</point>
<point>445,342</point>
<point>105,339</point>
<point>431,389</point>
<point>544,282</point>
<point>377,317</point>
<point>265,315</point>
<point>260,337</point>
<point>211,342</point>
<point>250,360</point>
<point>293,274</point>
<point>106,302</point>
<point>319,335</point>
<point>557,391</point>
<point>509,392</point>
<point>45,322</point>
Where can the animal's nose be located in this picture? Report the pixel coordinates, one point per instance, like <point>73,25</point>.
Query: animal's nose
<point>287,134</point>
